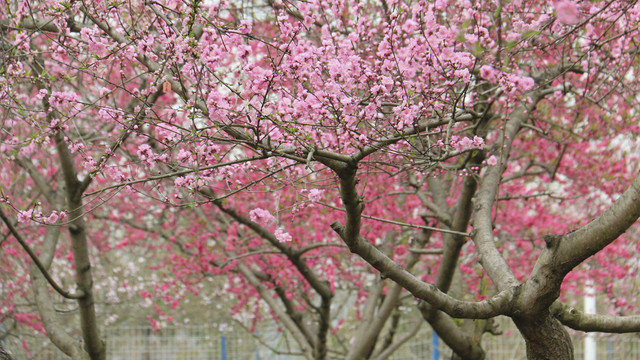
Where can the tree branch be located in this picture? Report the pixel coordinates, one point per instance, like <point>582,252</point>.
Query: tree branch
<point>460,342</point>
<point>490,258</point>
<point>55,330</point>
<point>577,246</point>
<point>365,338</point>
<point>564,252</point>
<point>400,223</point>
<point>320,286</point>
<point>31,24</point>
<point>423,125</point>
<point>497,305</point>
<point>395,345</point>
<point>175,173</point>
<point>305,347</point>
<point>369,330</point>
<point>77,229</point>
<point>578,320</point>
<point>77,295</point>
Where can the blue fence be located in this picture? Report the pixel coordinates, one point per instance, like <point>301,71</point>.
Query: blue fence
<point>209,343</point>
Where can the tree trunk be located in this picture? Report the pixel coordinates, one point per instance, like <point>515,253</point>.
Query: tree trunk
<point>3,354</point>
<point>545,338</point>
<point>460,341</point>
<point>80,247</point>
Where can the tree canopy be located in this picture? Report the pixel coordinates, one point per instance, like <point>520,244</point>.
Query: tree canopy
<point>478,157</point>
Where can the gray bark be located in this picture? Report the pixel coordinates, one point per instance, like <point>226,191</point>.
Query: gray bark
<point>40,278</point>
<point>4,355</point>
<point>77,229</point>
<point>545,338</point>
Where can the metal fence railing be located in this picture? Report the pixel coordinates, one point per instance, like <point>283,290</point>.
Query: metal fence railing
<point>210,343</point>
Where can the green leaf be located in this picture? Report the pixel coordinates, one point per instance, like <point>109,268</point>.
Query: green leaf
<point>477,49</point>
<point>510,45</point>
<point>529,34</point>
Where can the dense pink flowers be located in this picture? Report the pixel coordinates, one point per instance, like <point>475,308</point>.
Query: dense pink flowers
<point>464,143</point>
<point>567,12</point>
<point>315,195</point>
<point>282,235</point>
<point>257,118</point>
<point>24,216</point>
<point>489,73</point>
<point>261,216</point>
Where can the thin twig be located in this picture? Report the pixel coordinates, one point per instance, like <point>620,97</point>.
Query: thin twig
<point>416,226</point>
<point>41,267</point>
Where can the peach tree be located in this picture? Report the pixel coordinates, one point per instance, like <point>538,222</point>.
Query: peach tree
<point>464,159</point>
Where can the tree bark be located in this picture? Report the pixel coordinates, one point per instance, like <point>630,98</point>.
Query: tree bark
<point>377,316</point>
<point>4,355</point>
<point>55,331</point>
<point>44,301</point>
<point>545,338</point>
<point>458,340</point>
<point>79,244</point>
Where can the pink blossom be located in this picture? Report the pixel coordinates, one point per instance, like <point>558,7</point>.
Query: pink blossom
<point>315,195</point>
<point>154,323</point>
<point>63,99</point>
<point>183,155</point>
<point>146,155</point>
<point>478,141</point>
<point>22,41</point>
<point>567,12</point>
<point>23,317</point>
<point>492,160</point>
<point>526,83</point>
<point>410,26</point>
<point>144,150</point>
<point>114,173</point>
<point>246,26</point>
<point>513,83</point>
<point>183,181</point>
<point>89,164</point>
<point>95,43</point>
<point>387,82</point>
<point>53,217</point>
<point>24,216</point>
<point>41,94</point>
<point>463,74</point>
<point>465,144</point>
<point>53,125</point>
<point>282,235</point>
<point>262,217</point>
<point>400,250</point>
<point>488,73</point>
